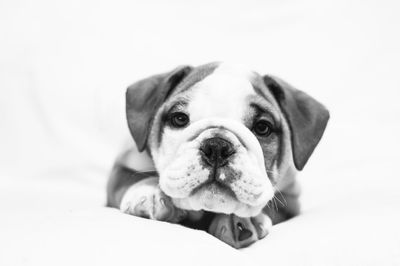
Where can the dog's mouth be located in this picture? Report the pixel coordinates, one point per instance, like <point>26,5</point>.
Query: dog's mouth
<point>213,196</point>
<point>223,191</point>
<point>214,187</point>
<point>217,182</point>
<point>215,193</point>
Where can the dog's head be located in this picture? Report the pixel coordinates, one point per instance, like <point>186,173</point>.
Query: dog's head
<point>221,137</point>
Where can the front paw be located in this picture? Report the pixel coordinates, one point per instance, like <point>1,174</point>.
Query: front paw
<point>145,199</point>
<point>240,232</point>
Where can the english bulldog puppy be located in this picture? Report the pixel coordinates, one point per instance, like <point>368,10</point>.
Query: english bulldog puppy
<point>217,148</point>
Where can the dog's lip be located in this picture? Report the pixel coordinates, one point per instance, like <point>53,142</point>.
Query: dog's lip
<point>215,184</point>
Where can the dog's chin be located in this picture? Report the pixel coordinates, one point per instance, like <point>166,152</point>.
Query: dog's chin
<point>216,198</point>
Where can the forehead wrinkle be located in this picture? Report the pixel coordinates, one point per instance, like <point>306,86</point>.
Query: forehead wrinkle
<point>265,105</point>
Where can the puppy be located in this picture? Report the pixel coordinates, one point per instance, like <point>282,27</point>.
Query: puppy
<point>217,148</point>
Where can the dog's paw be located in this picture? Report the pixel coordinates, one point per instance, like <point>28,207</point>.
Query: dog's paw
<point>240,232</point>
<point>145,199</point>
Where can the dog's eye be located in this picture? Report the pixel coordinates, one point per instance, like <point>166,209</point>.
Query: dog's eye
<point>262,128</point>
<point>179,120</point>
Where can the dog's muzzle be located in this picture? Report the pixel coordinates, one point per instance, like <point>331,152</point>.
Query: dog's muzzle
<point>216,155</point>
<point>217,166</point>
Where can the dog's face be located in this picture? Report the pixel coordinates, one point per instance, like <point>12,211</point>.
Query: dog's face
<point>218,146</point>
<point>218,137</point>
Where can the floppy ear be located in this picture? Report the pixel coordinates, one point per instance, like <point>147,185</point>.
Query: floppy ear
<point>307,118</point>
<point>143,99</point>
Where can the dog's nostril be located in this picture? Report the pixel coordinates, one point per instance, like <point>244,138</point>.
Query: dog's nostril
<point>216,151</point>
<point>207,151</point>
<point>226,152</point>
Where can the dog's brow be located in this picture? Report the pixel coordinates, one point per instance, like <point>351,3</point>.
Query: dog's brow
<point>178,104</point>
<point>259,107</point>
<point>262,109</point>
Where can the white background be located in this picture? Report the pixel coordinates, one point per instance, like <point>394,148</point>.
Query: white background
<point>64,68</point>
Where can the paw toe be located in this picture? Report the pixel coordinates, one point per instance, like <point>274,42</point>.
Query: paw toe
<point>262,224</point>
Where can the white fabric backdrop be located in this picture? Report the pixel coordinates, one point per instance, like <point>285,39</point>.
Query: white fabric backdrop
<point>64,67</point>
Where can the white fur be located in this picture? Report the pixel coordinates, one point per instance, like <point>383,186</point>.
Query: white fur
<point>137,194</point>
<point>221,94</point>
<point>218,104</point>
<point>145,198</point>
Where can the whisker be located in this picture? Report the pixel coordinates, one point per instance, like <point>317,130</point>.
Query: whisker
<point>283,197</point>
<point>283,205</point>
<point>274,204</point>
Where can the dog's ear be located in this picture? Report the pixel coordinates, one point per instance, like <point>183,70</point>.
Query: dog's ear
<point>143,99</point>
<point>307,118</point>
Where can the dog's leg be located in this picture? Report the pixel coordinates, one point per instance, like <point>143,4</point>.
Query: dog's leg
<point>145,199</point>
<point>240,232</point>
<point>139,194</point>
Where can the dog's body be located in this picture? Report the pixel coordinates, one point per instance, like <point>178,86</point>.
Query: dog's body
<point>218,148</point>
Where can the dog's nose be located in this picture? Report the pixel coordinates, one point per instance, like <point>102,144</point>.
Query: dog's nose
<point>216,151</point>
